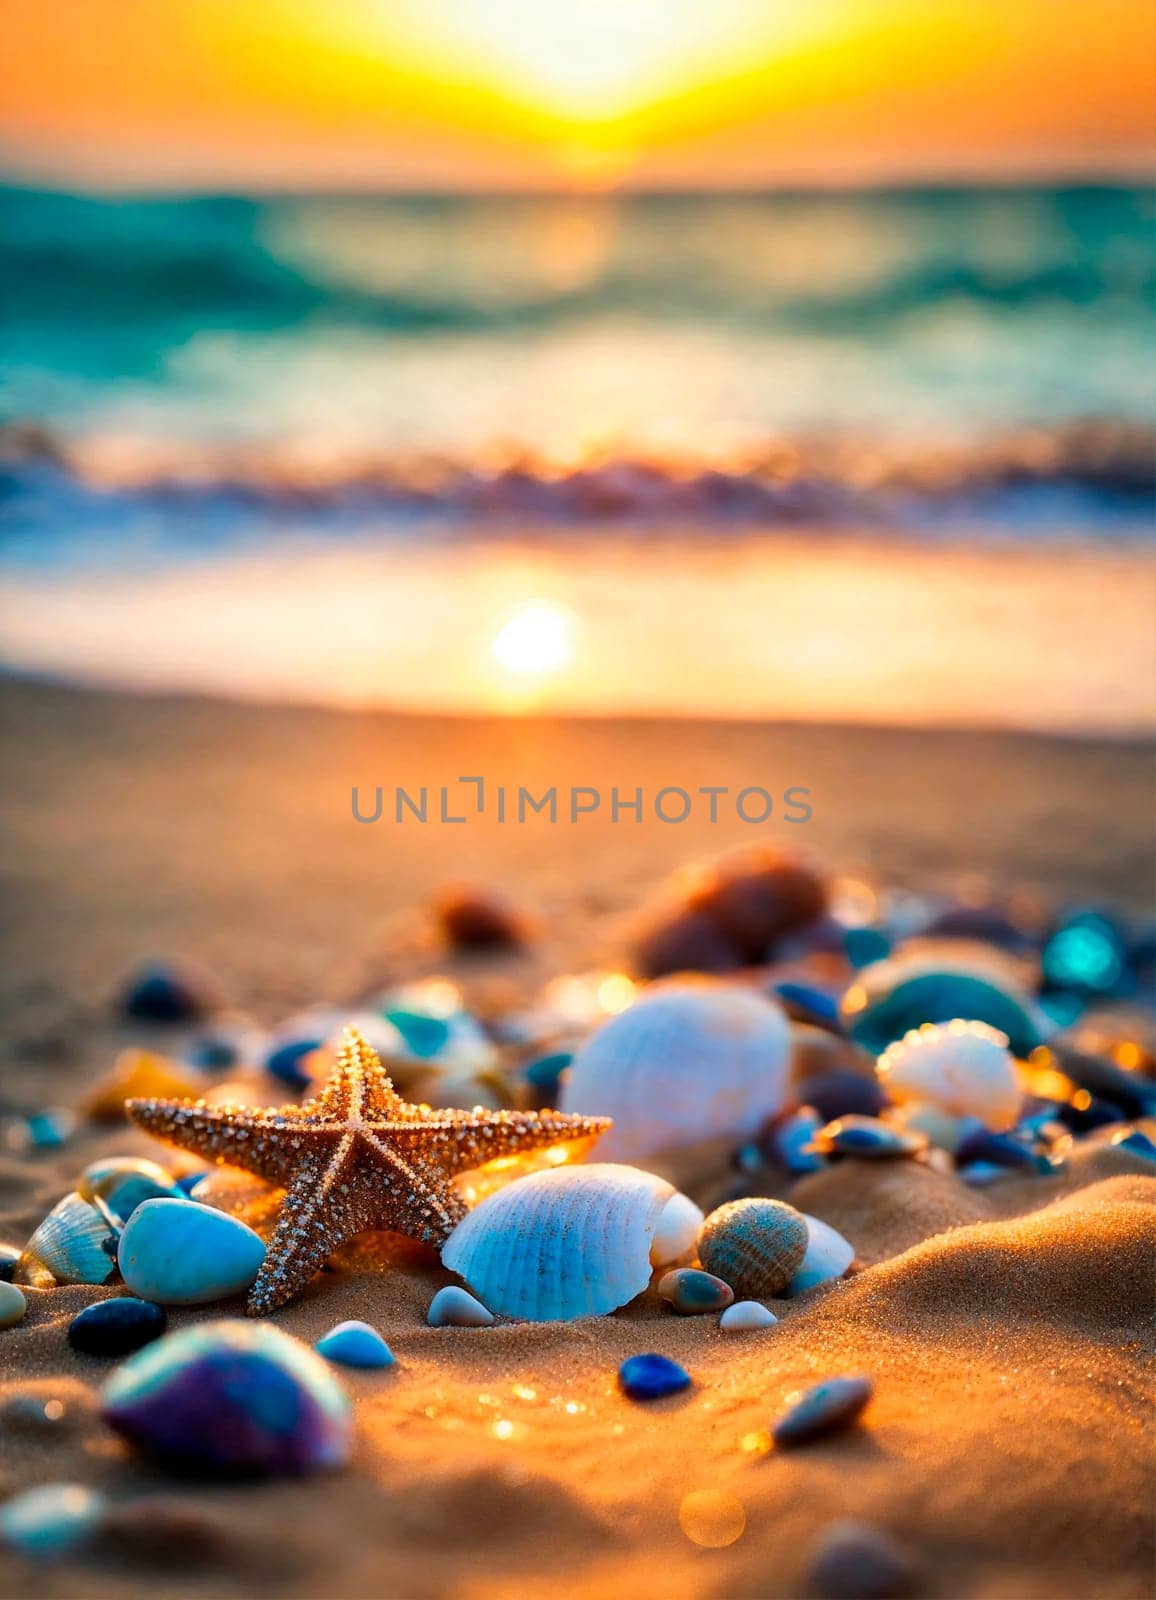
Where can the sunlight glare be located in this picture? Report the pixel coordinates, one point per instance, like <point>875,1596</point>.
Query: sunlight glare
<point>538,639</point>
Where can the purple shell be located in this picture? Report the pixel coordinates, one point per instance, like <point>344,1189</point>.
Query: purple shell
<point>231,1397</point>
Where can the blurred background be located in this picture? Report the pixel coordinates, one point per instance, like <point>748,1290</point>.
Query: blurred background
<point>479,356</point>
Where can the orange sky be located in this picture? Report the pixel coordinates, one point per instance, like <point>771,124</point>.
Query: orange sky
<point>531,93</point>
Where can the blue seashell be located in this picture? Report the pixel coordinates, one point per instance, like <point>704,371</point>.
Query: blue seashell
<point>285,1063</point>
<point>828,1406</point>
<point>116,1327</point>
<point>651,1377</point>
<point>892,998</point>
<point>867,1138</point>
<point>231,1397</point>
<point>789,1142</point>
<point>163,994</point>
<point>184,1254</point>
<point>802,1003</point>
<point>355,1344</point>
<point>50,1521</point>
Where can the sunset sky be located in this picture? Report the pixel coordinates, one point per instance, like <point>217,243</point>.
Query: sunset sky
<point>533,93</point>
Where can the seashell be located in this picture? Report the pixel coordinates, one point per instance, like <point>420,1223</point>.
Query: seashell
<point>454,1307</point>
<point>828,1256</point>
<point>825,1408</point>
<point>12,1305</point>
<point>687,1062</point>
<point>893,997</point>
<point>51,1520</point>
<point>789,1142</point>
<point>940,1128</point>
<point>180,1253</point>
<point>143,1073</point>
<point>1135,1142</point>
<point>116,1327</point>
<point>355,1344</point>
<point>867,1138</point>
<point>745,1315</point>
<point>651,1377</point>
<point>690,1292</point>
<point>964,1068</point>
<point>754,1245</point>
<point>233,1397</point>
<point>810,1007</point>
<point>124,1182</point>
<point>74,1244</point>
<point>854,1561</point>
<point>681,940</point>
<point>573,1241</point>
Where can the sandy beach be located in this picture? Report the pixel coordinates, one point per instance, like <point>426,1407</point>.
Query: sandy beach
<point>1007,1329</point>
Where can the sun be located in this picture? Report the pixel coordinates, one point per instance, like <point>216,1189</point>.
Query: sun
<point>538,639</point>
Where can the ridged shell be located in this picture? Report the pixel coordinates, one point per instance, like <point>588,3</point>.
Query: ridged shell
<point>754,1245</point>
<point>74,1244</point>
<point>964,1068</point>
<point>572,1242</point>
<point>828,1256</point>
<point>124,1182</point>
<point>687,1062</point>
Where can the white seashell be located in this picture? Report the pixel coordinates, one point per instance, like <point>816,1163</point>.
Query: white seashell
<point>964,1068</point>
<point>74,1244</point>
<point>569,1242</point>
<point>744,1315</point>
<point>676,1231</point>
<point>828,1256</point>
<point>940,1128</point>
<point>689,1061</point>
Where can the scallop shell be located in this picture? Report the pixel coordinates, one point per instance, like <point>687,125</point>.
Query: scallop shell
<point>755,1245</point>
<point>687,1062</point>
<point>828,1256</point>
<point>576,1241</point>
<point>964,1068</point>
<point>74,1244</point>
<point>122,1183</point>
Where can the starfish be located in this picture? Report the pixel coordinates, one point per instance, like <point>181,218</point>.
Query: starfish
<point>357,1157</point>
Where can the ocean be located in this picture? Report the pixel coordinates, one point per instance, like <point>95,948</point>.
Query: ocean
<point>413,389</point>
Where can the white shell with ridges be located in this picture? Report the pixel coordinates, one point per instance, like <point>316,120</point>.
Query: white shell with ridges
<point>964,1068</point>
<point>571,1242</point>
<point>828,1256</point>
<point>687,1062</point>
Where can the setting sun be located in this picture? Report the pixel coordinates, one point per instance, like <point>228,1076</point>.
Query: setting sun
<point>537,640</point>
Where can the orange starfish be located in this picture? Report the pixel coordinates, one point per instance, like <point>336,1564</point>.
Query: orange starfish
<point>357,1157</point>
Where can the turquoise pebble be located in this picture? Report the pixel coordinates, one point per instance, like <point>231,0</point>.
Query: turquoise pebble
<point>12,1305</point>
<point>355,1344</point>
<point>179,1253</point>
<point>51,1520</point>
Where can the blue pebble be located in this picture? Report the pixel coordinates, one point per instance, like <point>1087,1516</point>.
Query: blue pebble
<point>116,1327</point>
<point>190,1180</point>
<point>48,1130</point>
<point>1086,954</point>
<point>862,946</point>
<point>803,1003</point>
<point>161,994</point>
<point>425,1036</point>
<point>1137,1144</point>
<point>651,1377</point>
<point>544,1075</point>
<point>355,1344</point>
<point>285,1063</point>
<point>179,1253</point>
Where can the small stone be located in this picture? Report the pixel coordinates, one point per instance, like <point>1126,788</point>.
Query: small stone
<point>117,1327</point>
<point>651,1377</point>
<point>163,994</point>
<point>854,1561</point>
<point>867,1139</point>
<point>453,1307</point>
<point>691,1292</point>
<point>50,1521</point>
<point>286,1062</point>
<point>180,1253</point>
<point>355,1344</point>
<point>12,1305</point>
<point>745,1315</point>
<point>477,919</point>
<point>1136,1143</point>
<point>825,1408</point>
<point>9,1255</point>
<point>43,1130</point>
<point>842,1093</point>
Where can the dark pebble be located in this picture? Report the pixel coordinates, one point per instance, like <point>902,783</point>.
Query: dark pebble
<point>825,1408</point>
<point>989,924</point>
<point>862,946</point>
<point>476,919</point>
<point>687,941</point>
<point>162,994</point>
<point>285,1063</point>
<point>843,1094</point>
<point>814,1006</point>
<point>9,1256</point>
<point>854,1561</point>
<point>994,1149</point>
<point>542,1079</point>
<point>1082,1119</point>
<point>1103,1079</point>
<point>116,1327</point>
<point>651,1377</point>
<point>1137,1144</point>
